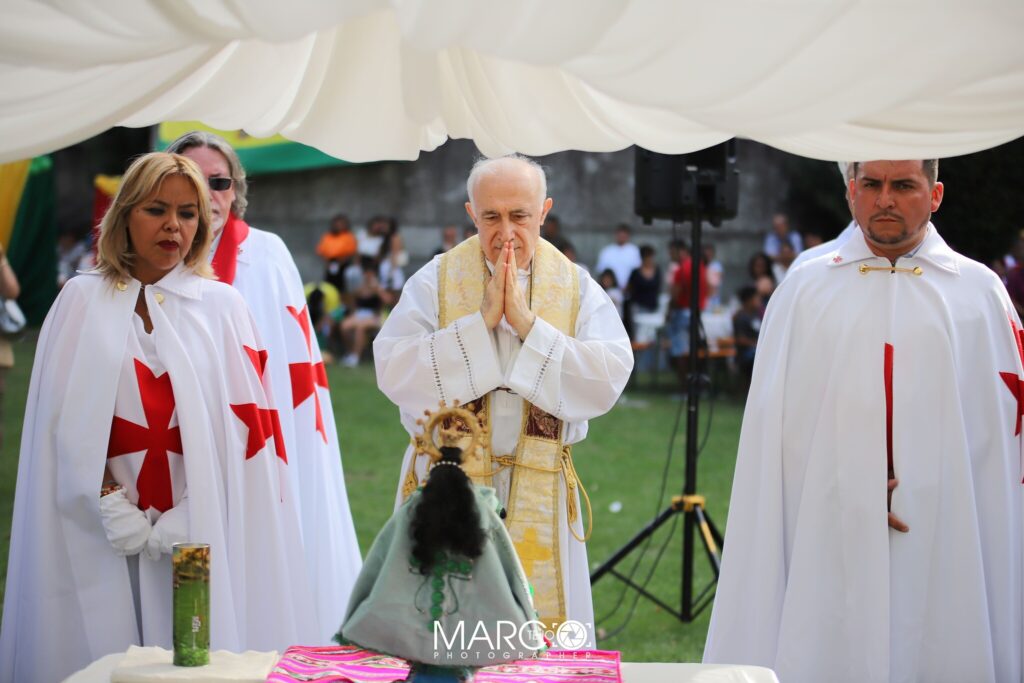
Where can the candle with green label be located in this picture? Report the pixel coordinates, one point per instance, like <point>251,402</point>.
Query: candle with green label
<point>190,564</point>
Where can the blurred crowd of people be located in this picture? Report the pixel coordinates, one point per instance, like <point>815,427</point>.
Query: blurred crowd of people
<point>654,301</point>
<point>1010,269</point>
<point>365,270</point>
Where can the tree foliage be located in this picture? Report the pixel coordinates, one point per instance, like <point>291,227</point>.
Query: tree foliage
<point>980,214</point>
<point>816,201</point>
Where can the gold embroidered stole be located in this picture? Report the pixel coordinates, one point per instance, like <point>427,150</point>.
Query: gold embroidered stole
<point>533,515</point>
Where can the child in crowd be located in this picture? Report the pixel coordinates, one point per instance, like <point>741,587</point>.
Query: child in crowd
<point>746,324</point>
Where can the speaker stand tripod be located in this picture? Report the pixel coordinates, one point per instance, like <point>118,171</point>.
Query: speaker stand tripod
<point>690,504</point>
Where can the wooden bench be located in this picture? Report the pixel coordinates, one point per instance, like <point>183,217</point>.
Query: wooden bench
<point>717,358</point>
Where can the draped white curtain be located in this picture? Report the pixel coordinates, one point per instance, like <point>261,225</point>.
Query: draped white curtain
<point>383,79</point>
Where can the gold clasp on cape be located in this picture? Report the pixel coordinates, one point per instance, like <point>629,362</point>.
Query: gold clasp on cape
<point>865,269</point>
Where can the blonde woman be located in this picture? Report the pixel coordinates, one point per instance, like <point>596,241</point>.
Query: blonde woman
<point>147,424</point>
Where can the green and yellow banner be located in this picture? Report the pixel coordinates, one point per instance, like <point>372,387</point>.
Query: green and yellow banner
<point>258,155</point>
<point>28,231</point>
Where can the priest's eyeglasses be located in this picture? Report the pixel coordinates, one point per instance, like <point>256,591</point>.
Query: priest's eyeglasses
<point>219,183</point>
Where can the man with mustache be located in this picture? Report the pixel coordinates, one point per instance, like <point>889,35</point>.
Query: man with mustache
<point>258,264</point>
<point>507,324</point>
<point>875,530</point>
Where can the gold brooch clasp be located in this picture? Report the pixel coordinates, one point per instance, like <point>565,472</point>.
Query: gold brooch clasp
<point>864,269</point>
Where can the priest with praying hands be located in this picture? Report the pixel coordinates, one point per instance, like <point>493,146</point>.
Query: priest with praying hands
<point>524,338</point>
<point>875,527</point>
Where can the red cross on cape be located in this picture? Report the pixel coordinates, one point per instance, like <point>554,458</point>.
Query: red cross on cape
<point>157,439</point>
<point>259,360</point>
<point>262,423</point>
<point>307,376</point>
<point>1013,382</point>
<point>887,376</point>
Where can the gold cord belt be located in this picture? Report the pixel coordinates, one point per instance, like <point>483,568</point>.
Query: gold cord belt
<point>572,482</point>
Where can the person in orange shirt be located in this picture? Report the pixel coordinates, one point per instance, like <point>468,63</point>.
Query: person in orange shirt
<point>336,248</point>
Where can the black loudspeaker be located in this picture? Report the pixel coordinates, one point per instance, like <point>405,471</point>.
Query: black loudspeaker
<point>703,184</point>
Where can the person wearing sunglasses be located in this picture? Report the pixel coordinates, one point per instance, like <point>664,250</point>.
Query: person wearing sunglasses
<point>146,426</point>
<point>258,264</point>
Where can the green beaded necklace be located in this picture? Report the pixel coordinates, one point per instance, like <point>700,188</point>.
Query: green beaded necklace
<point>445,570</point>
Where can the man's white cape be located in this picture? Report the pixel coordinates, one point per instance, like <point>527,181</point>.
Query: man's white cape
<point>269,282</point>
<point>68,599</point>
<point>814,584</point>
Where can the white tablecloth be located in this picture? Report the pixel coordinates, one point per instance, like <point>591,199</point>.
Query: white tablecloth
<point>716,326</point>
<point>632,672</point>
<point>154,665</point>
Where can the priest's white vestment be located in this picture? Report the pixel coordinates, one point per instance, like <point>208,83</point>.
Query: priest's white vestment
<point>855,363</point>
<point>68,595</point>
<point>266,276</point>
<point>575,378</point>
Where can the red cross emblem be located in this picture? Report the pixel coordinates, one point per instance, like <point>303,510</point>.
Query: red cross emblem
<point>157,439</point>
<point>306,377</point>
<point>262,423</point>
<point>259,360</point>
<point>1014,383</point>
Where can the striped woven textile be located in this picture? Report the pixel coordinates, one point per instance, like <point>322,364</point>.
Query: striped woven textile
<point>337,664</point>
<point>351,664</point>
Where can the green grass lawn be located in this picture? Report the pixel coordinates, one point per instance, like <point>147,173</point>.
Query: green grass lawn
<point>13,414</point>
<point>621,463</point>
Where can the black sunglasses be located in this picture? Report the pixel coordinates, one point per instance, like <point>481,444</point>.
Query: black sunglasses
<point>219,183</point>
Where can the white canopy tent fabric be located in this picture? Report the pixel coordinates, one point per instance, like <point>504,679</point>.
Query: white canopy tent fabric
<point>385,79</point>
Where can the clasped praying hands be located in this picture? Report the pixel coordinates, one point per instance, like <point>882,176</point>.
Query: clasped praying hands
<point>504,297</point>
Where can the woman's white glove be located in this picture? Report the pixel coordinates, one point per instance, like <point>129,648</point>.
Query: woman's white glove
<point>171,528</point>
<point>126,526</point>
